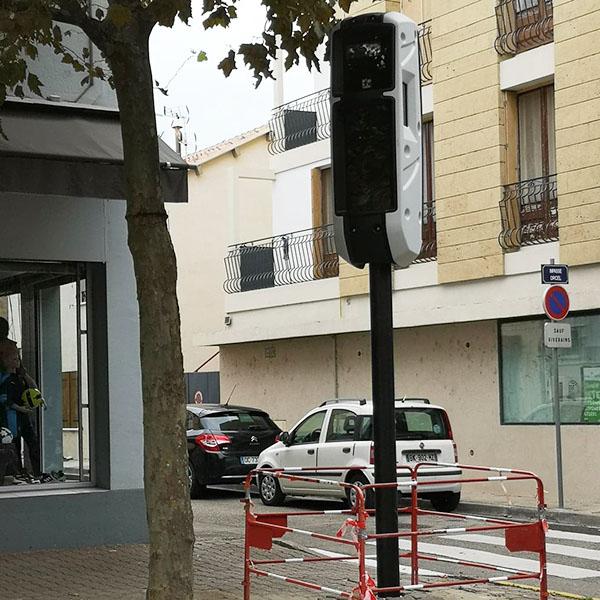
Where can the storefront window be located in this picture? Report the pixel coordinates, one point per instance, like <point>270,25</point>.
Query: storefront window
<point>527,373</point>
<point>41,303</point>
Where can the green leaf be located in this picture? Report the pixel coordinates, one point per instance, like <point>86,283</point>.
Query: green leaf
<point>19,91</point>
<point>31,51</point>
<point>201,57</point>
<point>34,84</point>
<point>57,33</point>
<point>227,65</point>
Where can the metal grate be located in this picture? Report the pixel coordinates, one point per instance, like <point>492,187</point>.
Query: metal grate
<point>294,257</point>
<point>523,24</point>
<point>529,212</point>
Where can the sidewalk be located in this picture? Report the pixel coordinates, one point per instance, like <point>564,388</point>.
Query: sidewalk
<point>119,573</point>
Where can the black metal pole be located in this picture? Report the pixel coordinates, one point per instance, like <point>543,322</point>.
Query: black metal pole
<point>384,424</point>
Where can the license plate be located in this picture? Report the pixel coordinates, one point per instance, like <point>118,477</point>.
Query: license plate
<point>421,457</point>
<point>249,460</point>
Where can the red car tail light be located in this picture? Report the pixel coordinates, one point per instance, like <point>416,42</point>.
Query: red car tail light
<point>211,442</point>
<point>372,455</point>
<point>448,426</point>
<point>450,435</point>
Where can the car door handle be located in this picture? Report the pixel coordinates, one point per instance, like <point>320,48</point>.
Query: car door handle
<point>311,451</point>
<point>346,450</point>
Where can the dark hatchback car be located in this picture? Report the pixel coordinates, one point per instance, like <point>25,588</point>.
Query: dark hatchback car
<point>224,443</point>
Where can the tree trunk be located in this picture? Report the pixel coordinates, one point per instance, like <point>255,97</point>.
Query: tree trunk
<point>168,506</point>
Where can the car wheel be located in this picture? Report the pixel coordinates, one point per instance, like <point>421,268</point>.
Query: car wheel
<point>358,479</point>
<point>270,490</point>
<point>197,490</point>
<point>445,501</point>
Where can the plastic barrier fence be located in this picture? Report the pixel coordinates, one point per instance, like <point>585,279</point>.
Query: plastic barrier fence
<point>262,528</point>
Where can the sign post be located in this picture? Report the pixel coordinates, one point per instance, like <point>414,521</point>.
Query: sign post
<point>556,335</point>
<point>377,192</point>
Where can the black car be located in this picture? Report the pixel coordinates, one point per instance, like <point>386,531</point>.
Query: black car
<point>224,443</point>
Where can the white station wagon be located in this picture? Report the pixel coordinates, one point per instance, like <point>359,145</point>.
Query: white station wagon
<point>338,435</point>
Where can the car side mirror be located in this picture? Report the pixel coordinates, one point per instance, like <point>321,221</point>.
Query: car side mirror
<point>284,438</point>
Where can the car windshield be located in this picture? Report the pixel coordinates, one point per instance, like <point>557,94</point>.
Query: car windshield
<point>412,424</point>
<point>237,421</point>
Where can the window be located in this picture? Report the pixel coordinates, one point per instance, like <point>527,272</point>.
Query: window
<point>412,424</point>
<point>527,373</point>
<point>322,196</point>
<point>537,149</point>
<point>341,426</point>
<point>238,421</point>
<point>429,245</point>
<point>192,421</point>
<point>48,327</point>
<point>309,431</point>
<point>324,255</point>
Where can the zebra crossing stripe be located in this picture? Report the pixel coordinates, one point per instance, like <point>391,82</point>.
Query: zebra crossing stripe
<point>573,536</point>
<point>499,560</point>
<point>371,561</point>
<point>559,549</point>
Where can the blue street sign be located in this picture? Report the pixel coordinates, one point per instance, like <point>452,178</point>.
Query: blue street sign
<point>555,274</point>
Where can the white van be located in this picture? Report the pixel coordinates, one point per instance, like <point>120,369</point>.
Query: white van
<point>339,434</point>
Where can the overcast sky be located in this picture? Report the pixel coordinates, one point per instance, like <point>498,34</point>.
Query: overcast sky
<point>218,108</point>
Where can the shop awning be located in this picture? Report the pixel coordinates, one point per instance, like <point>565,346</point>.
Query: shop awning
<point>53,149</point>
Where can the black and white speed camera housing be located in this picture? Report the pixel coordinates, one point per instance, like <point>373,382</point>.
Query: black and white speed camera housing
<point>376,139</point>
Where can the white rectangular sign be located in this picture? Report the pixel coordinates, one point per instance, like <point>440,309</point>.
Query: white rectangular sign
<point>557,335</point>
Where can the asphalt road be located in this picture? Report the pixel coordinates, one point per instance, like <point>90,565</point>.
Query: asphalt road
<point>573,552</point>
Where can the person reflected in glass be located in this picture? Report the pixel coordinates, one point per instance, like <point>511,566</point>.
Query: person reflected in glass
<point>19,416</point>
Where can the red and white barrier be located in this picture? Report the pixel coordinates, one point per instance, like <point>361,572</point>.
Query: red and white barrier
<point>261,529</point>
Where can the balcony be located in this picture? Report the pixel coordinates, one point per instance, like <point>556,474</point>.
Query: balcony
<point>308,119</point>
<point>523,25</point>
<point>529,213</point>
<point>300,256</point>
<point>295,257</point>
<point>429,244</point>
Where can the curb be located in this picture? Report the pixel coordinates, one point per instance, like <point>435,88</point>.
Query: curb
<point>555,516</point>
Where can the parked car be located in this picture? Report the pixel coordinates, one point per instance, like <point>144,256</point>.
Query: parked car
<point>224,443</point>
<point>339,434</point>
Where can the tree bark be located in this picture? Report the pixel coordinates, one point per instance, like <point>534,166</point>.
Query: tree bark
<point>168,506</point>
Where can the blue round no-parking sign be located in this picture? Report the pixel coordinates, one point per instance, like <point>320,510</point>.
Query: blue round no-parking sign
<point>556,302</point>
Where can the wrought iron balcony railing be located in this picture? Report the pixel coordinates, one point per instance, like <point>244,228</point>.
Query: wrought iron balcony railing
<point>425,51</point>
<point>294,257</point>
<point>299,257</point>
<point>300,122</point>
<point>523,24</point>
<point>529,212</point>
<point>429,245</point>
<point>308,119</point>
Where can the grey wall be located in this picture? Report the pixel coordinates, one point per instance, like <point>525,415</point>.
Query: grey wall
<point>72,519</point>
<point>124,372</point>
